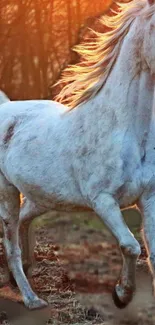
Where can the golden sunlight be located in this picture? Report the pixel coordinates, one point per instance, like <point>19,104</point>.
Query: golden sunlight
<point>36,41</point>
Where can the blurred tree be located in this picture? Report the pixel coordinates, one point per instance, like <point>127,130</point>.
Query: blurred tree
<point>36,37</point>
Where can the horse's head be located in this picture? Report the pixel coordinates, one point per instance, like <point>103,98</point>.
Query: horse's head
<point>149,38</point>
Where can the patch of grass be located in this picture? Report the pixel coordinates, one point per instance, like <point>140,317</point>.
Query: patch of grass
<point>88,220</point>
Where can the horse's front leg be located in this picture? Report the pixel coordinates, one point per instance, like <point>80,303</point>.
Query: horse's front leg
<point>107,208</point>
<point>147,208</point>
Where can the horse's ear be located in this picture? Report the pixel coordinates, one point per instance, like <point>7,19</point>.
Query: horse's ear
<point>151,2</point>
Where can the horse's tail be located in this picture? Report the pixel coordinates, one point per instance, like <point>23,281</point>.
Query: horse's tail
<point>3,97</point>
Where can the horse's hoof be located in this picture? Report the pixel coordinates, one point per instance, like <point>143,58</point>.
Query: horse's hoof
<point>118,303</point>
<point>36,304</point>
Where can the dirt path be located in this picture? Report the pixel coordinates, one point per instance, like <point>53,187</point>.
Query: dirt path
<point>77,264</point>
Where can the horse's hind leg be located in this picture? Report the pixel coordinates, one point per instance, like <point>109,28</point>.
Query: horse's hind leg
<point>9,211</point>
<point>107,208</point>
<point>28,212</point>
<point>147,207</point>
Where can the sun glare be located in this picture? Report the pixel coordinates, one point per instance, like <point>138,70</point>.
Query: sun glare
<point>36,41</point>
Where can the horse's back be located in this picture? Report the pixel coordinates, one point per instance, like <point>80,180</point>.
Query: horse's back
<point>30,107</point>
<point>25,117</point>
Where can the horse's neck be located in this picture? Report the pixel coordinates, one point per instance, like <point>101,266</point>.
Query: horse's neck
<point>129,89</point>
<point>125,102</point>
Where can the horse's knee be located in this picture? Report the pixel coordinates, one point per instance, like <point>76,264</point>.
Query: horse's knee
<point>131,248</point>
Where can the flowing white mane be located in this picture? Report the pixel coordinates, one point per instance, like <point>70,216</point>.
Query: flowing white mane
<point>84,80</point>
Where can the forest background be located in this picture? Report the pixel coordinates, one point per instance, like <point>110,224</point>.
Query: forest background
<point>36,41</point>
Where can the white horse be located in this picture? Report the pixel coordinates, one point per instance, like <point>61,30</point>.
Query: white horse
<point>99,155</point>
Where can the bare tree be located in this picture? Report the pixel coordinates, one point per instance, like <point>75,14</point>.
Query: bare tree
<point>36,38</point>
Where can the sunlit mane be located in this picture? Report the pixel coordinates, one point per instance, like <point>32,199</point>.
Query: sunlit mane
<point>84,80</point>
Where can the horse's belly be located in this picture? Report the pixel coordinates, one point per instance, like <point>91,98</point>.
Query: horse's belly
<point>53,198</point>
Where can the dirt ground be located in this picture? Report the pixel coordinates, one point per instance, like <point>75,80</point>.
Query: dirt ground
<point>77,265</point>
